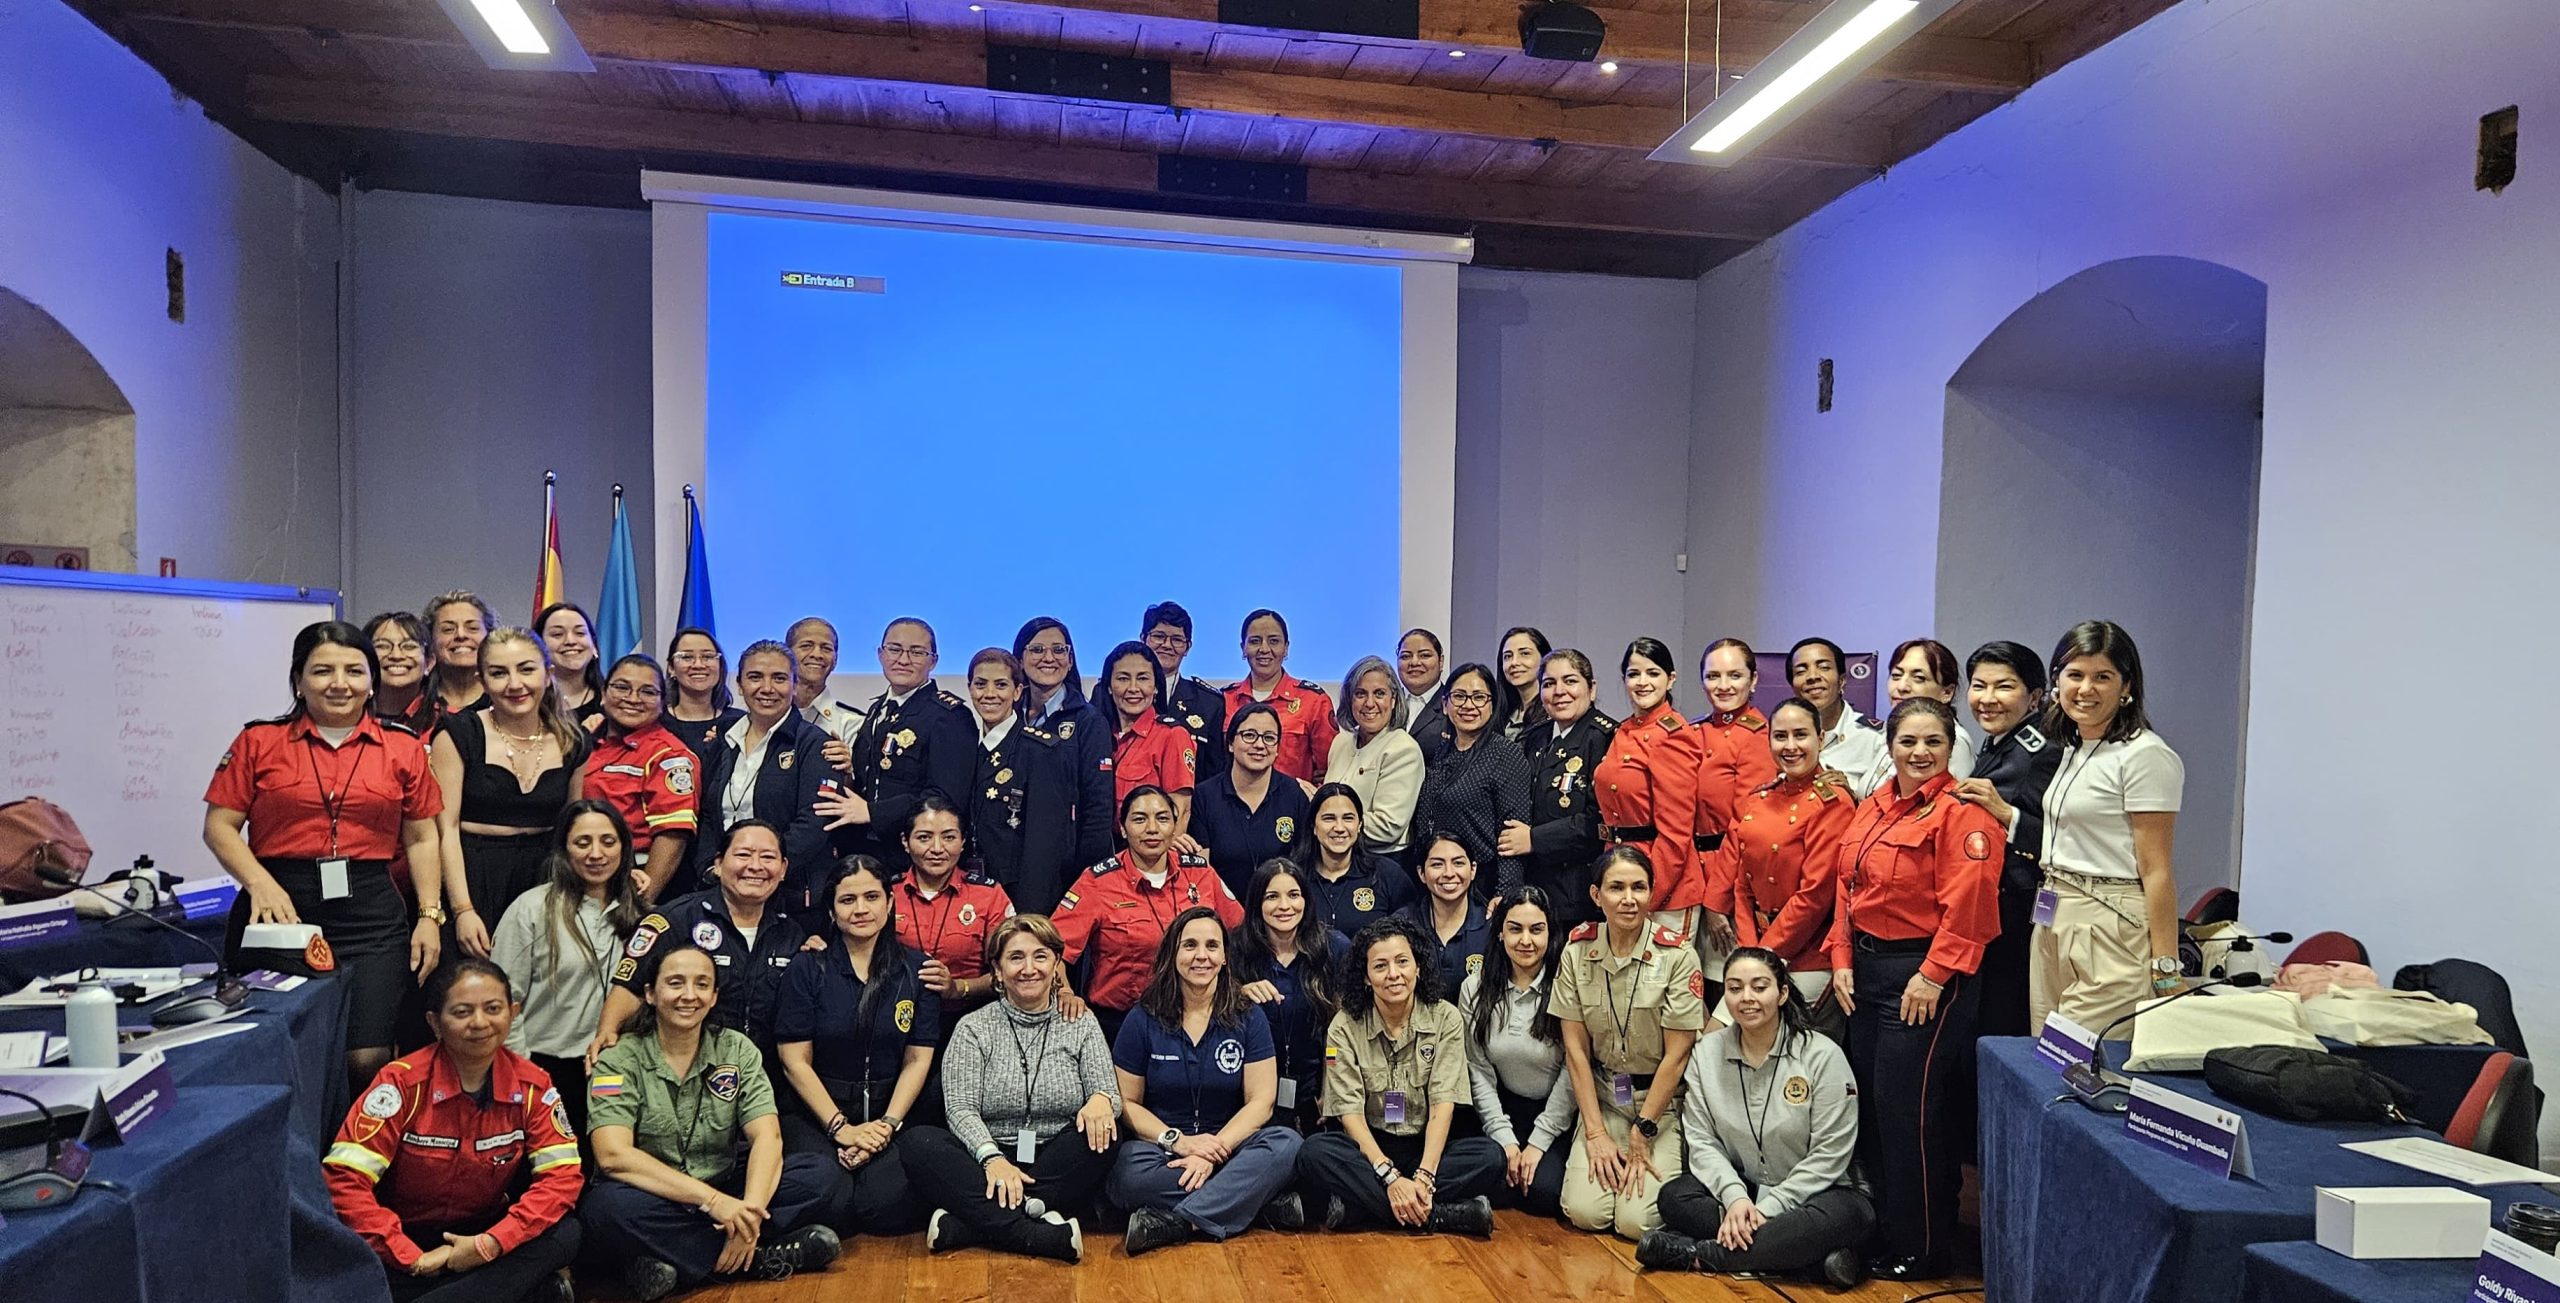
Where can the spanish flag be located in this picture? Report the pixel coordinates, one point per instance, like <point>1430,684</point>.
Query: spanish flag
<point>547,587</point>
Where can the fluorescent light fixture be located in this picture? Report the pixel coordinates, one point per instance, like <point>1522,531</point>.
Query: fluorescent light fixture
<point>1837,44</point>
<point>515,32</point>
<point>519,35</point>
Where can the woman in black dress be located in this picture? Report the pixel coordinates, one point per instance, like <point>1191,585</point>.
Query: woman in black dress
<point>506,773</point>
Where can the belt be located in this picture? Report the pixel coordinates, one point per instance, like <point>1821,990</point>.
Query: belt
<point>1638,833</point>
<point>1879,946</point>
<point>1710,841</point>
<point>2085,881</point>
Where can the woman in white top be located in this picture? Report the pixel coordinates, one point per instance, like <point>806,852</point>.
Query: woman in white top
<point>2107,919</point>
<point>1515,1052</point>
<point>558,945</point>
<point>1374,756</point>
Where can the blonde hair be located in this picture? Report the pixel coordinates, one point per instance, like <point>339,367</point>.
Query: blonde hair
<point>1038,925</point>
<point>555,719</point>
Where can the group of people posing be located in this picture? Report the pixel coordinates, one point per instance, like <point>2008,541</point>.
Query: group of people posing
<point>778,970</point>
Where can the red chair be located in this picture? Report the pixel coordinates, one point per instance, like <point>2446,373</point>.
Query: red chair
<point>2328,948</point>
<point>2216,905</point>
<point>2496,1116</point>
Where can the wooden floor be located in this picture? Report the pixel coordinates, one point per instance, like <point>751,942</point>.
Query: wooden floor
<point>1527,1258</point>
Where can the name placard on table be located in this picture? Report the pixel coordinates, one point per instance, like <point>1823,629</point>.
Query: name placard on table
<point>2207,1138</point>
<point>2063,1043</point>
<point>2512,1271</point>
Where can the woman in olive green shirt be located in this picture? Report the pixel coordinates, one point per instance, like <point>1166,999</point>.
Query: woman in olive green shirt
<point>695,1183</point>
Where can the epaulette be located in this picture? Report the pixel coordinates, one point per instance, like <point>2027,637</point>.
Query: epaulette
<point>1108,865</point>
<point>2029,738</point>
<point>1668,939</point>
<point>1751,719</point>
<point>950,698</point>
<point>1583,933</point>
<point>1168,718</point>
<point>1870,722</point>
<point>1037,733</point>
<point>1606,724</point>
<point>975,878</point>
<point>394,726</point>
<point>1669,720</point>
<point>285,718</point>
<point>849,707</point>
<point>1315,688</point>
<point>1186,859</point>
<point>1826,790</point>
<point>1200,683</point>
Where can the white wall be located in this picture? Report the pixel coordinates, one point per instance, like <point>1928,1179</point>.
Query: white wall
<point>102,169</point>
<point>488,342</point>
<point>2060,507</point>
<point>2404,533</point>
<point>1573,462</point>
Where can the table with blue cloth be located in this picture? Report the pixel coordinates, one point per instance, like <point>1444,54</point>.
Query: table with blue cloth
<point>2300,1271</point>
<point>120,942</point>
<point>203,1179</point>
<point>2075,1208</point>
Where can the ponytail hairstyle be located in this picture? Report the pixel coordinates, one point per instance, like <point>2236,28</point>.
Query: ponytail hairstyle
<point>1497,960</point>
<point>1793,1017</point>
<point>547,708</point>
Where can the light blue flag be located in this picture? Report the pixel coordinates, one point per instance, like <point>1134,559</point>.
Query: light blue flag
<point>618,609</point>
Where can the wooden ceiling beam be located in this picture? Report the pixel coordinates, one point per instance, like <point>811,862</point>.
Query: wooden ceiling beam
<point>724,45</point>
<point>543,120</point>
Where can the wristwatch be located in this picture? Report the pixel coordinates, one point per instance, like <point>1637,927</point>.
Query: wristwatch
<point>434,914</point>
<point>1648,1128</point>
<point>1168,1138</point>
<point>1386,1172</point>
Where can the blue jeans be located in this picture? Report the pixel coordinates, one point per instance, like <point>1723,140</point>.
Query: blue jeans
<point>1142,1177</point>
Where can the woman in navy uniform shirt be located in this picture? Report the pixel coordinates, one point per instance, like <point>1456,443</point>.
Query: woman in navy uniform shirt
<point>1286,957</point>
<point>769,765</point>
<point>1251,811</point>
<point>1053,698</point>
<point>1032,824</point>
<point>1447,911</point>
<point>1198,1082</point>
<point>2009,778</point>
<point>1561,836</point>
<point>1202,710</point>
<point>1349,885</point>
<point>701,710</point>
<point>855,1033</point>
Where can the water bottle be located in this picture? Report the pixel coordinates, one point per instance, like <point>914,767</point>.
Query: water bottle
<point>89,1017</point>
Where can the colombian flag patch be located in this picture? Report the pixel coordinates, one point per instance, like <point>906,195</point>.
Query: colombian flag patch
<point>604,1087</point>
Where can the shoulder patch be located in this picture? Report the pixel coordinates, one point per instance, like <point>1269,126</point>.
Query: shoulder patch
<point>1583,933</point>
<point>1751,719</point>
<point>1668,939</point>
<point>1977,845</point>
<point>382,1103</point>
<point>1669,721</point>
<point>2029,738</point>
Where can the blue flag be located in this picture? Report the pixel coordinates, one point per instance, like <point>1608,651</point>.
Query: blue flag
<point>693,611</point>
<point>618,609</point>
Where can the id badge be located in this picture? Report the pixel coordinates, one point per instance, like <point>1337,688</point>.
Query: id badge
<point>1026,1148</point>
<point>1622,1088</point>
<point>333,879</point>
<point>2046,899</point>
<point>1288,1093</point>
<point>1394,1108</point>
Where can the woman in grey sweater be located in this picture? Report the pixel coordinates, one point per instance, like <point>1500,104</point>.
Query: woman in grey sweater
<point>1032,1108</point>
<point>1771,1126</point>
<point>1515,1051</point>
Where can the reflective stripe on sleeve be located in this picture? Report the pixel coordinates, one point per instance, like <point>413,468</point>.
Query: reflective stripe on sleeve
<point>355,1157</point>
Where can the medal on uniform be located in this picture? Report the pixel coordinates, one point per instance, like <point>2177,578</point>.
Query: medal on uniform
<point>1573,766</point>
<point>1393,1108</point>
<point>1288,1093</point>
<point>1004,775</point>
<point>1622,1088</point>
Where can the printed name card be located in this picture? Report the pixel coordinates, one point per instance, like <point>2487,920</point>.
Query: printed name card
<point>2210,1139</point>
<point>32,922</point>
<point>2063,1042</point>
<point>2512,1271</point>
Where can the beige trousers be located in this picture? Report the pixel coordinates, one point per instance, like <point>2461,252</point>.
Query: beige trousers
<point>2092,964</point>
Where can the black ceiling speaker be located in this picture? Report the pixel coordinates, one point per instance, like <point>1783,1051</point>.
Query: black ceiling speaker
<point>1557,30</point>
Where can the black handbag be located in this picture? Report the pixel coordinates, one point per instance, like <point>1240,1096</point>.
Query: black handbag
<point>2305,1085</point>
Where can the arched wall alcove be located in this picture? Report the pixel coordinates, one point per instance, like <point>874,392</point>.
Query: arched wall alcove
<point>2102,462</point>
<point>66,442</point>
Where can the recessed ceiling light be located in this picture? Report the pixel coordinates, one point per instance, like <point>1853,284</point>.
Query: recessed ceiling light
<point>519,35</point>
<point>1831,47</point>
<point>1457,54</point>
<point>1610,65</point>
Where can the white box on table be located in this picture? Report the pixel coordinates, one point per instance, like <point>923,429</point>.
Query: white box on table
<point>2401,1221</point>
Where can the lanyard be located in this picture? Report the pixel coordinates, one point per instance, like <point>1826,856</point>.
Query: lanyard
<point>1609,994</point>
<point>333,804</point>
<point>1758,1121</point>
<point>2057,792</point>
<point>932,946</point>
<point>1395,1057</point>
<point>1031,1066</point>
<point>1858,862</point>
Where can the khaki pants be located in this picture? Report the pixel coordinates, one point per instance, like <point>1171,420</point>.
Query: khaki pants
<point>2092,965</point>
<point>1587,1205</point>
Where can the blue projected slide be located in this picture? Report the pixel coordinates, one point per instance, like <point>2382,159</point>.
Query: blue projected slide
<point>981,427</point>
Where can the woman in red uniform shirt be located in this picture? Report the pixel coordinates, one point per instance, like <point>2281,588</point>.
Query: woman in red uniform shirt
<point>306,812</point>
<point>1306,713</point>
<point>943,914</point>
<point>646,773</point>
<point>1733,739</point>
<point>1782,856</point>
<point>1647,785</point>
<point>1119,909</point>
<point>1919,898</point>
<point>458,1166</point>
<point>1149,747</point>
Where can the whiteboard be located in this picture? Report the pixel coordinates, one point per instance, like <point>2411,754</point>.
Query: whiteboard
<point>119,692</point>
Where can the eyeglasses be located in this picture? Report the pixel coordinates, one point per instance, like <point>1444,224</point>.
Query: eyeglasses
<point>1470,699</point>
<point>398,648</point>
<point>1047,649</point>
<point>1169,641</point>
<point>894,652</point>
<point>1258,739</point>
<point>636,691</point>
<point>695,658</point>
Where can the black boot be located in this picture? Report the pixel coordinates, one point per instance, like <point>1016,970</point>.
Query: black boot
<point>1285,1212</point>
<point>1464,1217</point>
<point>1149,1229</point>
<point>1843,1269</point>
<point>1667,1250</point>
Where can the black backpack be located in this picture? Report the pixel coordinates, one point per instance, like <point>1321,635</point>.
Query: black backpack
<point>2305,1085</point>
